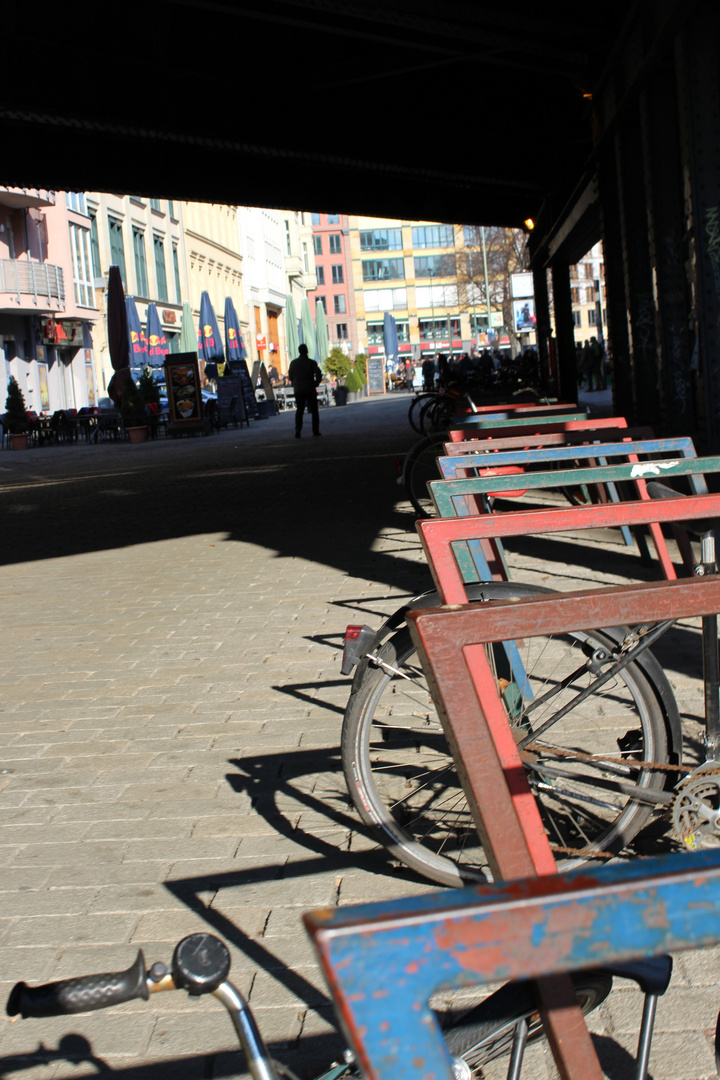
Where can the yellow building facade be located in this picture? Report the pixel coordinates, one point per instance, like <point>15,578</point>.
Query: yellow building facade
<point>430,277</point>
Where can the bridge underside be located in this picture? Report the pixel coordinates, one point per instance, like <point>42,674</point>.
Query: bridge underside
<point>598,121</point>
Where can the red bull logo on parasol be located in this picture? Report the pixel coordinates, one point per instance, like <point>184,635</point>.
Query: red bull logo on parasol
<point>208,332</point>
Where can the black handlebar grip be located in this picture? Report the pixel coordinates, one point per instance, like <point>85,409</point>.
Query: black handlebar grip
<point>83,994</point>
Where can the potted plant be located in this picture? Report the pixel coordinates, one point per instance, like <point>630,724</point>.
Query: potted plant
<point>338,365</point>
<point>16,420</point>
<point>353,385</point>
<point>132,410</point>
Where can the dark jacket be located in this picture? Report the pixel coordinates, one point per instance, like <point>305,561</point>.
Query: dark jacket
<point>304,374</point>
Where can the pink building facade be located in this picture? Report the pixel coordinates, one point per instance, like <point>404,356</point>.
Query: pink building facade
<point>333,264</point>
<point>47,298</point>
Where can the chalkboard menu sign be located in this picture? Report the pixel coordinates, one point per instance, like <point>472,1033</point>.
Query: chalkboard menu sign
<point>231,405</point>
<point>239,367</point>
<point>182,378</point>
<point>376,374</point>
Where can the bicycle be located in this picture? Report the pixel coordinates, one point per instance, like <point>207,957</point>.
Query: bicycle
<point>503,1023</point>
<point>589,689</point>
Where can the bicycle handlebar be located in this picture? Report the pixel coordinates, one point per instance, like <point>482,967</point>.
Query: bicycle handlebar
<point>82,994</point>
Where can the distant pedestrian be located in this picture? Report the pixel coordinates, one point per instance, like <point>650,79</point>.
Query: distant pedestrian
<point>428,374</point>
<point>306,376</point>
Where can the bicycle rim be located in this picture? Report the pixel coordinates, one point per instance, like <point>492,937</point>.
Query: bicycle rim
<point>486,1033</point>
<point>403,781</point>
<point>421,466</point>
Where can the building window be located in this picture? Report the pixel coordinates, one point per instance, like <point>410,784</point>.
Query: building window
<point>154,204</point>
<point>381,240</point>
<point>337,274</point>
<point>320,270</point>
<point>176,269</point>
<point>95,245</point>
<point>171,208</point>
<point>375,332</point>
<point>341,331</point>
<point>82,266</point>
<point>306,261</point>
<point>76,201</point>
<point>288,246</point>
<point>431,236</point>
<point>339,304</point>
<point>434,266</point>
<point>592,314</point>
<point>427,296</point>
<point>437,330</point>
<point>333,219</point>
<point>382,269</point>
<point>314,219</point>
<point>117,248</point>
<point>320,300</point>
<point>385,299</point>
<point>575,296</point>
<point>160,267</point>
<point>577,318</point>
<point>317,244</point>
<point>335,244</point>
<point>140,267</point>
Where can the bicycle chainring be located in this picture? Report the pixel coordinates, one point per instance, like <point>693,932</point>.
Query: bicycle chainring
<point>696,808</point>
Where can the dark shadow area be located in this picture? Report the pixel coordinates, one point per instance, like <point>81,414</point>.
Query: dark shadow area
<point>325,503</point>
<point>297,691</point>
<point>614,1059</point>
<point>72,1048</point>
<point>306,1056</point>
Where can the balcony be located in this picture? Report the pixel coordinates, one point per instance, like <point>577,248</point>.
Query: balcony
<point>30,285</point>
<point>24,198</point>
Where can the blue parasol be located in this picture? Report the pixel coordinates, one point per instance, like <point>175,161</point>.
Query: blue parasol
<point>137,339</point>
<point>158,347</point>
<point>209,341</point>
<point>390,337</point>
<point>234,344</point>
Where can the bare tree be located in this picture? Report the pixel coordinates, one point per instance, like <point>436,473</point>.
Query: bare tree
<point>505,254</point>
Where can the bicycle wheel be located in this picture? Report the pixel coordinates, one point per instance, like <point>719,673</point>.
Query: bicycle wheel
<point>402,778</point>
<point>486,1032</point>
<point>414,411</point>
<point>419,467</point>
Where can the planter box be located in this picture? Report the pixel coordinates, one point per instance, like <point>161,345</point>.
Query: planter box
<point>137,434</point>
<point>19,441</point>
<point>340,394</point>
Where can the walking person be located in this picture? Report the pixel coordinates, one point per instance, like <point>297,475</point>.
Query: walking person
<point>305,376</point>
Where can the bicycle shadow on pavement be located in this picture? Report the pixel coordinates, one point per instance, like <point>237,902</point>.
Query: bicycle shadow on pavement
<point>309,1054</point>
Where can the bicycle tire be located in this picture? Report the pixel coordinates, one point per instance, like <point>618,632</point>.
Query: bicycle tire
<point>420,466</point>
<point>486,1032</point>
<point>402,780</point>
<point>415,405</point>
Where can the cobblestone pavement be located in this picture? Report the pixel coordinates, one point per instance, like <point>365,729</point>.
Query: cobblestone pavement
<point>170,716</point>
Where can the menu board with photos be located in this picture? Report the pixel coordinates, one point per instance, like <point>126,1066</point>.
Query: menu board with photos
<point>182,378</point>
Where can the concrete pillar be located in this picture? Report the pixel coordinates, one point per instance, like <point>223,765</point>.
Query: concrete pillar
<point>564,330</point>
<point>543,328</point>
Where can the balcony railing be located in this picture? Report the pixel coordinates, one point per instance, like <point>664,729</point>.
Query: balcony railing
<point>39,280</point>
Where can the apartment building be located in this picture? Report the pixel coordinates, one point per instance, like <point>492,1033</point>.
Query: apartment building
<point>299,256</point>
<point>47,298</point>
<point>264,284</point>
<point>587,289</point>
<point>431,277</point>
<point>335,291</point>
<point>215,261</point>
<point>144,238</point>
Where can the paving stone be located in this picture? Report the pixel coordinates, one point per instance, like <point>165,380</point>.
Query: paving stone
<point>183,733</point>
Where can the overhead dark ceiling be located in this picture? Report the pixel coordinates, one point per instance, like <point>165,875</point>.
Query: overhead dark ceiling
<point>456,111</point>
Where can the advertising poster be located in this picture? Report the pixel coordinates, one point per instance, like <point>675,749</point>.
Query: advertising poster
<point>524,316</point>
